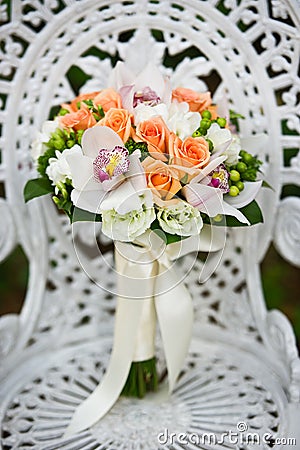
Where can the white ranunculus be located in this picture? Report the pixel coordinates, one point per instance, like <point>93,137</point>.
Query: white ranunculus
<point>233,150</point>
<point>59,170</point>
<point>220,137</point>
<point>126,227</point>
<point>181,121</point>
<point>181,219</point>
<point>38,146</point>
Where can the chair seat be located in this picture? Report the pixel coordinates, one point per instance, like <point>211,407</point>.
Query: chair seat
<point>221,388</point>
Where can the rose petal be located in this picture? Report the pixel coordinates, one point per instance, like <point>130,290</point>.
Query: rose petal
<point>246,196</point>
<point>99,137</point>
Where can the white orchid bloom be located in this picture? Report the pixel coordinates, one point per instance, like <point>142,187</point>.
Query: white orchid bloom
<point>104,174</point>
<point>148,87</point>
<point>211,200</point>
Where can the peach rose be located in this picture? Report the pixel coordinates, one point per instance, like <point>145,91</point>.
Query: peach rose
<point>155,132</point>
<point>78,120</point>
<point>73,106</point>
<point>197,101</point>
<point>108,98</point>
<point>194,152</point>
<point>162,179</point>
<point>118,120</point>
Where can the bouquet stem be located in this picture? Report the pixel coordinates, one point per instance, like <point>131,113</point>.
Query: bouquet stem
<point>141,379</point>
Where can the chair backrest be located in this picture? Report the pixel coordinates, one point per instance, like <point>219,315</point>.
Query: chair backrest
<point>50,50</point>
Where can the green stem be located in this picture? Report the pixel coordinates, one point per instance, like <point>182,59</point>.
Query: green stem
<point>142,378</point>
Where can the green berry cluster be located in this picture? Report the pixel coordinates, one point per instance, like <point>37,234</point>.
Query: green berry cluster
<point>131,146</point>
<point>205,124</point>
<point>245,170</point>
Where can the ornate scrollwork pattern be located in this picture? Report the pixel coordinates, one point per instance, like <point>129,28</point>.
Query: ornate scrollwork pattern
<point>246,49</point>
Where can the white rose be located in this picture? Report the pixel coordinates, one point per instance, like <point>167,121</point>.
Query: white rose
<point>126,227</point>
<point>181,219</point>
<point>38,147</point>
<point>220,137</point>
<point>59,170</point>
<point>145,112</point>
<point>232,152</point>
<point>181,121</point>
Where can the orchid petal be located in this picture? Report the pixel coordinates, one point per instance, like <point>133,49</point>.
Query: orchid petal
<point>246,196</point>
<point>81,168</point>
<point>206,199</point>
<point>210,201</point>
<point>88,200</point>
<point>136,172</point>
<point>121,76</point>
<point>123,200</point>
<point>151,77</point>
<point>209,168</point>
<point>167,94</point>
<point>229,210</point>
<point>127,95</point>
<point>98,137</point>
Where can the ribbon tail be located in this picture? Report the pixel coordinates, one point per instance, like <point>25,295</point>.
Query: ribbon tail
<point>110,388</point>
<point>174,309</point>
<point>132,278</point>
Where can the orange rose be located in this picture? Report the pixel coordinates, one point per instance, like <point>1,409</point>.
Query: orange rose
<point>79,120</point>
<point>161,178</point>
<point>108,98</point>
<point>197,101</point>
<point>155,132</point>
<point>194,152</point>
<point>118,120</point>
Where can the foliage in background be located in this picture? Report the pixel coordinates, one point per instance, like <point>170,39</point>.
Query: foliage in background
<point>281,284</point>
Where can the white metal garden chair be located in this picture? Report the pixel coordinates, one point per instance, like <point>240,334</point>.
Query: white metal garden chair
<point>243,366</point>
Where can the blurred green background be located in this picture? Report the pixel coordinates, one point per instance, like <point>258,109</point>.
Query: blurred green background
<point>281,284</point>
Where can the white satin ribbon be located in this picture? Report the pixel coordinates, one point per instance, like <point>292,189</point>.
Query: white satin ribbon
<point>147,283</point>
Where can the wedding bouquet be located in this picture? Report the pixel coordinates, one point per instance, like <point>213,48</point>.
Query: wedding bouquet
<point>155,164</point>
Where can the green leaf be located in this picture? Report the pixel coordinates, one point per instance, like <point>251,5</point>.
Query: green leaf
<point>267,185</point>
<point>36,188</point>
<point>167,237</point>
<point>184,179</point>
<point>80,215</point>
